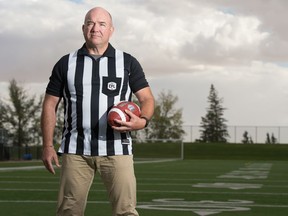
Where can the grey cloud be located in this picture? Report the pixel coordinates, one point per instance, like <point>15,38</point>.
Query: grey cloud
<point>166,36</point>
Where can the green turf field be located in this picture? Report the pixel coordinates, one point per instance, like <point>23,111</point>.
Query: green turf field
<point>182,188</point>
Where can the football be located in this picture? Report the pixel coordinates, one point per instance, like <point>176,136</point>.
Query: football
<point>118,112</point>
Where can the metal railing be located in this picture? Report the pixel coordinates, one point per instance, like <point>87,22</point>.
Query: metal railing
<point>258,134</point>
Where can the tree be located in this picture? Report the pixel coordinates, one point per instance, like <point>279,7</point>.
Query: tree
<point>246,138</point>
<point>213,124</point>
<point>21,116</point>
<point>167,120</point>
<point>273,139</point>
<point>270,140</point>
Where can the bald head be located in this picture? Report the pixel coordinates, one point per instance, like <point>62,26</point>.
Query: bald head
<point>99,10</point>
<point>97,30</point>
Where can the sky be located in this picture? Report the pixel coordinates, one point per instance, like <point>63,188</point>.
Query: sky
<point>184,46</point>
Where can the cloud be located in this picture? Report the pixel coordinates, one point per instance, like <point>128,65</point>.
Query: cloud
<point>184,46</point>
<point>167,38</point>
<point>272,15</point>
<point>34,35</point>
<point>255,95</point>
<point>35,19</point>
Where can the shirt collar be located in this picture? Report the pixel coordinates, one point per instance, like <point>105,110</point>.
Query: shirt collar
<point>109,52</point>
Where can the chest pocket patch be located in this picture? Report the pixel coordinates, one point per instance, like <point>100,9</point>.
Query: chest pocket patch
<point>111,86</point>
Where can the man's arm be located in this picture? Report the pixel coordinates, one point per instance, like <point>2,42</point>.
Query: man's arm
<point>48,122</point>
<point>147,103</point>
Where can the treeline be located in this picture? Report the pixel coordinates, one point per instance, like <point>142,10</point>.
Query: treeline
<point>20,119</point>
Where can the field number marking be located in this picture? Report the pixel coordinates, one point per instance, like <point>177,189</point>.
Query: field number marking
<point>202,208</point>
<point>251,171</point>
<point>233,186</point>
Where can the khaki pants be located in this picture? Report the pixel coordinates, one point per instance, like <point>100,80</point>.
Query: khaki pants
<point>77,174</point>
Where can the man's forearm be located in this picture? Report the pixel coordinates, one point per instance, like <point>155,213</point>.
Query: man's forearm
<point>48,121</point>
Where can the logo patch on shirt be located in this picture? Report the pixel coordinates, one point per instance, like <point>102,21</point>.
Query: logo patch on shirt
<point>112,86</point>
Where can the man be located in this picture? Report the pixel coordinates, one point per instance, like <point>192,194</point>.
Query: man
<point>90,81</point>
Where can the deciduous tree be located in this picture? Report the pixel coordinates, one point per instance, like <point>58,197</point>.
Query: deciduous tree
<point>167,120</point>
<point>20,116</point>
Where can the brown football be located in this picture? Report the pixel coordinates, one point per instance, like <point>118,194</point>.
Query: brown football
<point>118,112</point>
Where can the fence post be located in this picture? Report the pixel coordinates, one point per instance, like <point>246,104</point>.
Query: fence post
<point>256,134</point>
<point>235,134</point>
<point>191,133</point>
<point>279,134</point>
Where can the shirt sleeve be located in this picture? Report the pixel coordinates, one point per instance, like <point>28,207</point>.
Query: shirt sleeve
<point>57,78</point>
<point>137,79</point>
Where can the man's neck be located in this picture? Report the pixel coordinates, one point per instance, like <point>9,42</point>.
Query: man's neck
<point>96,50</point>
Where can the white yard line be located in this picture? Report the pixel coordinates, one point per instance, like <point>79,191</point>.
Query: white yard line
<point>42,167</point>
<point>21,168</point>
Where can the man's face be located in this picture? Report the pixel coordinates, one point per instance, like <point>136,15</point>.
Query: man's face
<point>97,28</point>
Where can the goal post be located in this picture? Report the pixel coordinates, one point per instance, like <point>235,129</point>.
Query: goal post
<point>158,149</point>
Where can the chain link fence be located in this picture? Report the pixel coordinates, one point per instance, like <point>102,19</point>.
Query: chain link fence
<point>20,153</point>
<point>258,134</point>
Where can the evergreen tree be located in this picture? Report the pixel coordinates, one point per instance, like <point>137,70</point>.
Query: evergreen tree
<point>213,124</point>
<point>251,140</point>
<point>246,138</point>
<point>273,139</point>
<point>268,140</point>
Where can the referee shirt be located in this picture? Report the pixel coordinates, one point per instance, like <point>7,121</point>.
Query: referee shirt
<point>90,88</point>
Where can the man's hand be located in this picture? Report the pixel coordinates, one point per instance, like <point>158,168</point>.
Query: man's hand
<point>135,123</point>
<point>49,157</point>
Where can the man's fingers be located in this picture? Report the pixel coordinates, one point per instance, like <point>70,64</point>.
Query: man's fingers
<point>51,169</point>
<point>49,157</point>
<point>49,166</point>
<point>57,161</point>
<point>131,114</point>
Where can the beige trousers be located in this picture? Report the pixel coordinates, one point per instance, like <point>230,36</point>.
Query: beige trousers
<point>77,174</point>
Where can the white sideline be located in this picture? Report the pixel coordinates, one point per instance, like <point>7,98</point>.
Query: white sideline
<point>21,168</point>
<point>42,167</point>
<point>156,161</point>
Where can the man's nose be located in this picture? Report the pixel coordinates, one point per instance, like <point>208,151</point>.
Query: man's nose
<point>95,27</point>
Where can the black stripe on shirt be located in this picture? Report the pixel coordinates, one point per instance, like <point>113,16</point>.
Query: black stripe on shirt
<point>110,102</point>
<point>95,108</point>
<point>79,92</point>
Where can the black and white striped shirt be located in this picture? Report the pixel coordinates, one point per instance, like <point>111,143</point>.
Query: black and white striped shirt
<point>89,88</point>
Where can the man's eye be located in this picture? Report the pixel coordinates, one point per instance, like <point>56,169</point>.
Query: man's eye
<point>90,23</point>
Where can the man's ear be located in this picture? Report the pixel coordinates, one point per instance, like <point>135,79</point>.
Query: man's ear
<point>111,31</point>
<point>83,28</point>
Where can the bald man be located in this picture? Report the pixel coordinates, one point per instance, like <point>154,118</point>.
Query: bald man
<point>90,81</point>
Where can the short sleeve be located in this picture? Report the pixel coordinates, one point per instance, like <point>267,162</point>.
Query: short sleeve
<point>137,79</point>
<point>58,77</point>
